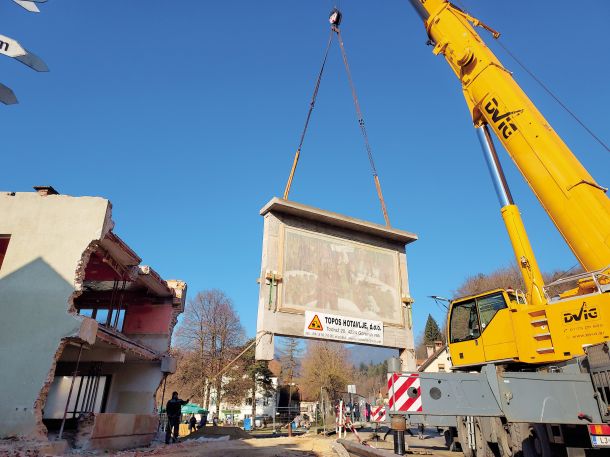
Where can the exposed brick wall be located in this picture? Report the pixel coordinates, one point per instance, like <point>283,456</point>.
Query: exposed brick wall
<point>148,319</point>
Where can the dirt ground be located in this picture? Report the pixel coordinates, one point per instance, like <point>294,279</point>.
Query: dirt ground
<point>309,445</point>
<point>299,446</point>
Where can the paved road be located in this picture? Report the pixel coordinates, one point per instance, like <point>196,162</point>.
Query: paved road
<point>432,444</point>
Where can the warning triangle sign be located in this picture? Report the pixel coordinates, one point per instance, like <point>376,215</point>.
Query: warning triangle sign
<point>315,324</point>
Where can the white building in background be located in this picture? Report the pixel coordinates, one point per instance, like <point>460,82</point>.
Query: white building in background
<point>438,360</point>
<point>265,406</point>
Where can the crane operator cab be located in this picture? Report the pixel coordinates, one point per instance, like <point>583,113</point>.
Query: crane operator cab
<point>481,330</point>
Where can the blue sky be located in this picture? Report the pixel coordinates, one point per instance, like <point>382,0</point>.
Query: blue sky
<point>186,116</point>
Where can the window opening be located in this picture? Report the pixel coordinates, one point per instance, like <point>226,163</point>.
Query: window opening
<point>87,312</point>
<point>89,395</point>
<point>4,239</point>
<point>101,316</point>
<point>112,314</point>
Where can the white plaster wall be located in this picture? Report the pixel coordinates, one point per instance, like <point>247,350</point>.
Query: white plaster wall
<point>48,237</point>
<point>157,342</point>
<point>133,386</point>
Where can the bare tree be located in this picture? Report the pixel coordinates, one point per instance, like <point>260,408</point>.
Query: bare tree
<point>507,277</point>
<point>211,329</point>
<point>504,278</point>
<point>325,366</point>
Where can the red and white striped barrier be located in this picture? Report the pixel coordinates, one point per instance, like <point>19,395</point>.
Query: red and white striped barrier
<point>404,392</point>
<point>378,413</point>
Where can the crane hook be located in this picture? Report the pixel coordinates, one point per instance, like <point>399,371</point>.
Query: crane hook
<point>335,17</point>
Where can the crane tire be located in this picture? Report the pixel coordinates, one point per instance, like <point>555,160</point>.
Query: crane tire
<point>537,443</point>
<point>484,447</point>
<point>463,436</point>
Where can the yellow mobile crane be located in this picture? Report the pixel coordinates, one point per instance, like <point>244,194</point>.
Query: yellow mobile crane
<point>533,370</point>
<point>533,327</point>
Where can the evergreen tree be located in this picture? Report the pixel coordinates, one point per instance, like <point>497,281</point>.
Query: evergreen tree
<point>257,375</point>
<point>432,332</point>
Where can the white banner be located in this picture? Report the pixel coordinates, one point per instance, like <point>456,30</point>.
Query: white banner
<point>341,328</point>
<point>28,5</point>
<point>10,47</point>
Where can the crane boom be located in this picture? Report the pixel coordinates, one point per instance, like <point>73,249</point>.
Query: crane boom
<point>576,203</point>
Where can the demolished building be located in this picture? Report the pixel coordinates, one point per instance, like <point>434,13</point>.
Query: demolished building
<point>85,329</point>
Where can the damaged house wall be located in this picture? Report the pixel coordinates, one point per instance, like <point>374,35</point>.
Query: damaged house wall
<point>48,237</point>
<point>68,282</point>
<point>133,388</point>
<point>150,325</point>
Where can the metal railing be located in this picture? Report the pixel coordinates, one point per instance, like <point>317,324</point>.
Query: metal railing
<point>599,278</point>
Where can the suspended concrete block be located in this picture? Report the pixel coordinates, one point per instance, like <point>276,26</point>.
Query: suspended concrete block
<point>332,277</point>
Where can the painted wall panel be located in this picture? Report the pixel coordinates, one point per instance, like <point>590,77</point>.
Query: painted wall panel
<point>317,261</point>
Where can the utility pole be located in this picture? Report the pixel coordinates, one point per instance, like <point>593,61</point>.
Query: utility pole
<point>290,409</point>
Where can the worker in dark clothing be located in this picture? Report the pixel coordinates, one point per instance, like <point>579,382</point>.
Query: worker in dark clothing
<point>192,424</point>
<point>174,411</point>
<point>204,420</point>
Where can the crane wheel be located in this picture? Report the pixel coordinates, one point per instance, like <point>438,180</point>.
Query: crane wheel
<point>484,447</point>
<point>537,443</point>
<point>462,430</point>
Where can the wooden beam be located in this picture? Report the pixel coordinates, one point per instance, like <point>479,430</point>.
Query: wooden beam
<point>364,451</point>
<point>94,299</point>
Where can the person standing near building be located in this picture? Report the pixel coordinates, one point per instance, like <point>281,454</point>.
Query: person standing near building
<point>173,409</point>
<point>192,424</point>
<point>204,420</point>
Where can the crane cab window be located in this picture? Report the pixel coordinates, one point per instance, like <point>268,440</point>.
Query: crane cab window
<point>489,306</point>
<point>464,322</point>
<point>469,318</point>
